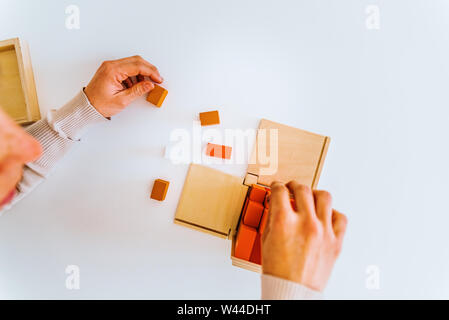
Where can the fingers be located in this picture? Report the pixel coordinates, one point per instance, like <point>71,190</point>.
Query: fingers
<point>339,222</point>
<point>133,66</point>
<point>303,198</point>
<point>279,201</point>
<point>323,205</point>
<point>135,91</point>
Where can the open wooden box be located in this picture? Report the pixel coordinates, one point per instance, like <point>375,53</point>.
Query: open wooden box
<point>212,201</point>
<point>17,87</point>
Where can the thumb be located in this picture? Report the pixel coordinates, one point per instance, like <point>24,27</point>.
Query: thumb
<point>137,90</point>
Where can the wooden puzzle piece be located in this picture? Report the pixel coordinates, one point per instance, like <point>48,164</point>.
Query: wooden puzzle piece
<point>253,213</point>
<point>209,118</point>
<point>157,95</point>
<point>218,151</point>
<point>245,242</point>
<point>250,179</point>
<point>257,193</point>
<point>160,188</point>
<point>256,254</point>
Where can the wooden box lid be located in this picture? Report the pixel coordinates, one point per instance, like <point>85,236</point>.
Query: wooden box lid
<point>211,201</point>
<point>300,154</point>
<point>18,96</point>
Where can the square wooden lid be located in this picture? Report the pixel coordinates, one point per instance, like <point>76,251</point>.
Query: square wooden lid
<point>298,154</point>
<point>211,201</point>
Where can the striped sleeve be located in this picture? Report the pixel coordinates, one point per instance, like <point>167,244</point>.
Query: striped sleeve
<point>57,134</point>
<point>274,288</point>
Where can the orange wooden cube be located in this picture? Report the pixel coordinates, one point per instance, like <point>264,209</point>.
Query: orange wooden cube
<point>160,188</point>
<point>253,214</point>
<point>218,151</point>
<point>209,118</point>
<point>157,95</point>
<point>245,242</point>
<point>256,254</point>
<point>257,193</point>
<point>263,221</point>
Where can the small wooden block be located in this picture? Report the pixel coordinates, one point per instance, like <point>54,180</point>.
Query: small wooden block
<point>245,242</point>
<point>263,221</point>
<point>218,151</point>
<point>209,118</point>
<point>250,179</point>
<point>256,254</point>
<point>160,188</point>
<point>157,95</point>
<point>253,213</point>
<point>257,193</point>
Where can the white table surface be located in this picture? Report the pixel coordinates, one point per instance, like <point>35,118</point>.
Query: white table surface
<point>382,95</point>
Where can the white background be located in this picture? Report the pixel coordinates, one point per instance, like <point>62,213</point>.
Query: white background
<point>381,95</point>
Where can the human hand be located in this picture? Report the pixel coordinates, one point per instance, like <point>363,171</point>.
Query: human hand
<point>302,245</point>
<point>112,89</point>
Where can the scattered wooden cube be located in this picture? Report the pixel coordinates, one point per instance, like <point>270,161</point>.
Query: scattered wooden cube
<point>157,95</point>
<point>245,242</point>
<point>218,151</point>
<point>160,188</point>
<point>253,213</point>
<point>209,118</point>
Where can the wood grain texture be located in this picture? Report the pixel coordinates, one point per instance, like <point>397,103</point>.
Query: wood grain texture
<point>17,86</point>
<point>157,95</point>
<point>160,188</point>
<point>209,118</point>
<point>300,154</point>
<point>211,201</point>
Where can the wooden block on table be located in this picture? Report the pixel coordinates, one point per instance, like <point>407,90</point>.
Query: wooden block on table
<point>160,188</point>
<point>245,242</point>
<point>256,254</point>
<point>218,151</point>
<point>257,193</point>
<point>253,213</point>
<point>157,95</point>
<point>209,118</point>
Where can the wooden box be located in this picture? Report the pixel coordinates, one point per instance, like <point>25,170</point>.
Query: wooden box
<point>17,87</point>
<point>212,201</point>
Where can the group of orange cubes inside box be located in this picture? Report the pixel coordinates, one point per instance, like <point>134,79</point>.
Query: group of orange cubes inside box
<point>254,219</point>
